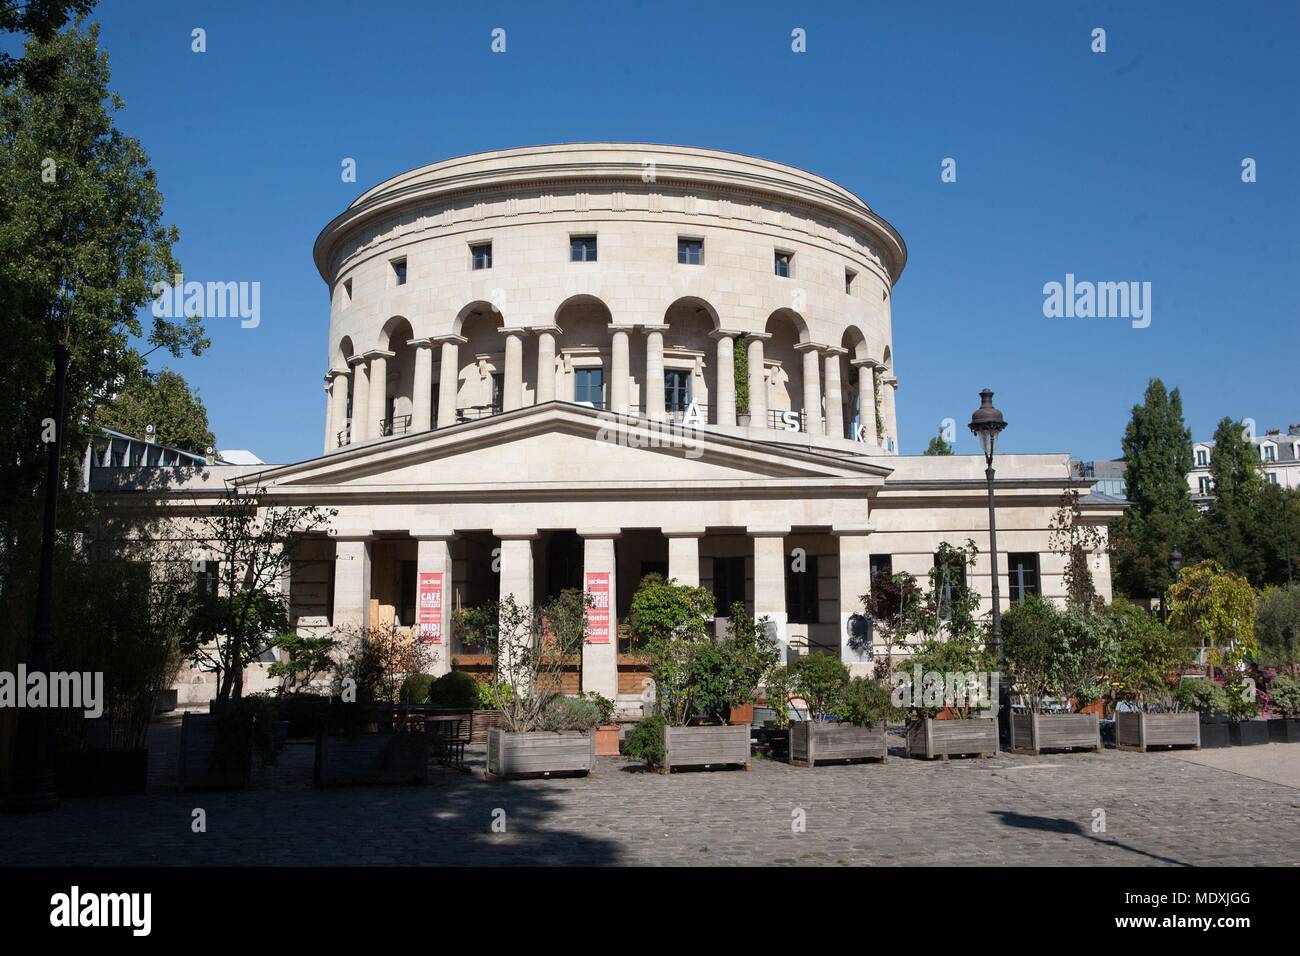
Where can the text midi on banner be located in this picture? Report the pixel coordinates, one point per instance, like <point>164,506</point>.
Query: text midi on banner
<point>429,613</point>
<point>598,613</point>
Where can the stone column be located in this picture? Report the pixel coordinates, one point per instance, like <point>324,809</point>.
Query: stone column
<point>812,387</point>
<point>360,399</point>
<point>867,399</point>
<point>513,390</point>
<point>546,362</point>
<point>890,386</point>
<point>517,582</point>
<point>338,407</point>
<point>855,581</point>
<point>433,556</point>
<point>684,556</point>
<point>769,583</point>
<point>757,379</point>
<point>654,371</point>
<point>351,580</point>
<point>724,402</point>
<point>448,377</point>
<point>834,393</point>
<point>619,371</point>
<point>600,661</point>
<point>422,387</point>
<point>378,391</point>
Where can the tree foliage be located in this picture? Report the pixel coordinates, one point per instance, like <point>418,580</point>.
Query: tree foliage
<point>938,446</point>
<point>1277,629</point>
<point>1217,608</point>
<point>1149,656</point>
<point>164,401</point>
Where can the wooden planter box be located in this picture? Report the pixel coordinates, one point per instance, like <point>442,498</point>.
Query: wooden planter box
<point>813,740</point>
<point>484,720</point>
<point>607,741</point>
<point>343,759</point>
<point>1284,730</point>
<point>102,772</point>
<point>1135,730</point>
<point>932,738</point>
<point>1034,733</point>
<point>545,753</point>
<point>1248,733</point>
<point>706,746</point>
<point>198,767</point>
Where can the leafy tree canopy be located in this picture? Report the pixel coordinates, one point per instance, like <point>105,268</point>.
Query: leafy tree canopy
<point>165,401</point>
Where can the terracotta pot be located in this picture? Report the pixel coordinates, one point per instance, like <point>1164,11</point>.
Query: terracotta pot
<point>607,741</point>
<point>744,714</point>
<point>1097,707</point>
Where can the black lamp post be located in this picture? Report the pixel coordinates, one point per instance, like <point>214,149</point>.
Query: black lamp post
<point>1175,564</point>
<point>986,424</point>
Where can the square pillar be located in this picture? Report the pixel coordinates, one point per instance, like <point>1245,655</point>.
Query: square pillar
<point>352,581</point>
<point>433,557</point>
<point>516,582</point>
<point>684,556</point>
<point>769,583</point>
<point>600,660</point>
<point>855,581</point>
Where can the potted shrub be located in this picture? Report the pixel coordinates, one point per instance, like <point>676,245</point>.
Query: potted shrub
<point>697,677</point>
<point>493,698</point>
<point>1149,659</point>
<point>1284,696</point>
<point>605,731</point>
<point>1209,702</point>
<point>1048,655</point>
<point>1244,727</point>
<point>368,737</point>
<point>845,718</point>
<point>542,731</point>
<point>949,692</point>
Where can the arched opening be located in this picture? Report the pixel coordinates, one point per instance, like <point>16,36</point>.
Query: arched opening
<point>480,380</point>
<point>690,369</point>
<point>855,400</point>
<point>583,351</point>
<point>784,364</point>
<point>400,371</point>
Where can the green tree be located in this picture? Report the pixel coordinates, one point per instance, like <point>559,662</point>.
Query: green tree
<point>166,402</point>
<point>938,445</point>
<point>1277,629</point>
<point>1217,608</point>
<point>42,19</point>
<point>1158,455</point>
<point>1076,540</point>
<point>1033,641</point>
<point>1149,656</point>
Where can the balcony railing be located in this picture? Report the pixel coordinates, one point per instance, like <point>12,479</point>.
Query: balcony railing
<point>776,420</point>
<point>397,425</point>
<point>471,413</point>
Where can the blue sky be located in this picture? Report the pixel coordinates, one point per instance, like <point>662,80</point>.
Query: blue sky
<point>1122,166</point>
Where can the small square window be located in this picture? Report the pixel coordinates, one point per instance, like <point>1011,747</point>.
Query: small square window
<point>480,255</point>
<point>690,252</point>
<point>784,264</point>
<point>399,272</point>
<point>582,248</point>
<point>849,276</point>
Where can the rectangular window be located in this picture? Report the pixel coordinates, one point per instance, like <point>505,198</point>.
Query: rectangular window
<point>589,386</point>
<point>480,255</point>
<point>406,603</point>
<point>1022,574</point>
<point>1205,486</point>
<point>882,564</point>
<point>498,392</point>
<point>399,272</point>
<point>849,276</point>
<point>690,252</point>
<point>801,604</point>
<point>1202,459</point>
<point>206,577</point>
<point>677,389</point>
<point>1270,453</point>
<point>1272,477</point>
<point>728,584</point>
<point>582,248</point>
<point>952,582</point>
<point>784,264</point>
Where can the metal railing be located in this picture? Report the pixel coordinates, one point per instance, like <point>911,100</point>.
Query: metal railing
<point>397,425</point>
<point>776,419</point>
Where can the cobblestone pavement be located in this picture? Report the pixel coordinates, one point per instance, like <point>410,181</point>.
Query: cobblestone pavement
<point>1159,809</point>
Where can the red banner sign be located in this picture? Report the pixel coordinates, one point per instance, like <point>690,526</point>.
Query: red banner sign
<point>428,614</point>
<point>598,613</point>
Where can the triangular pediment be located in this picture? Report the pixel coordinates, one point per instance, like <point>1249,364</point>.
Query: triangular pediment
<point>559,444</point>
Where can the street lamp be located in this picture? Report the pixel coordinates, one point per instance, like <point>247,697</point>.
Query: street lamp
<point>986,424</point>
<point>1175,564</point>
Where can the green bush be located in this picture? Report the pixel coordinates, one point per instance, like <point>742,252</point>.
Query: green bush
<point>646,741</point>
<point>495,696</point>
<point>1284,692</point>
<point>1203,696</point>
<point>415,689</point>
<point>1032,645</point>
<point>570,713</point>
<point>865,701</point>
<point>455,690</point>
<point>820,679</point>
<point>604,708</point>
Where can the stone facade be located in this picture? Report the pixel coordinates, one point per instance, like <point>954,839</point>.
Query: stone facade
<point>532,376</point>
